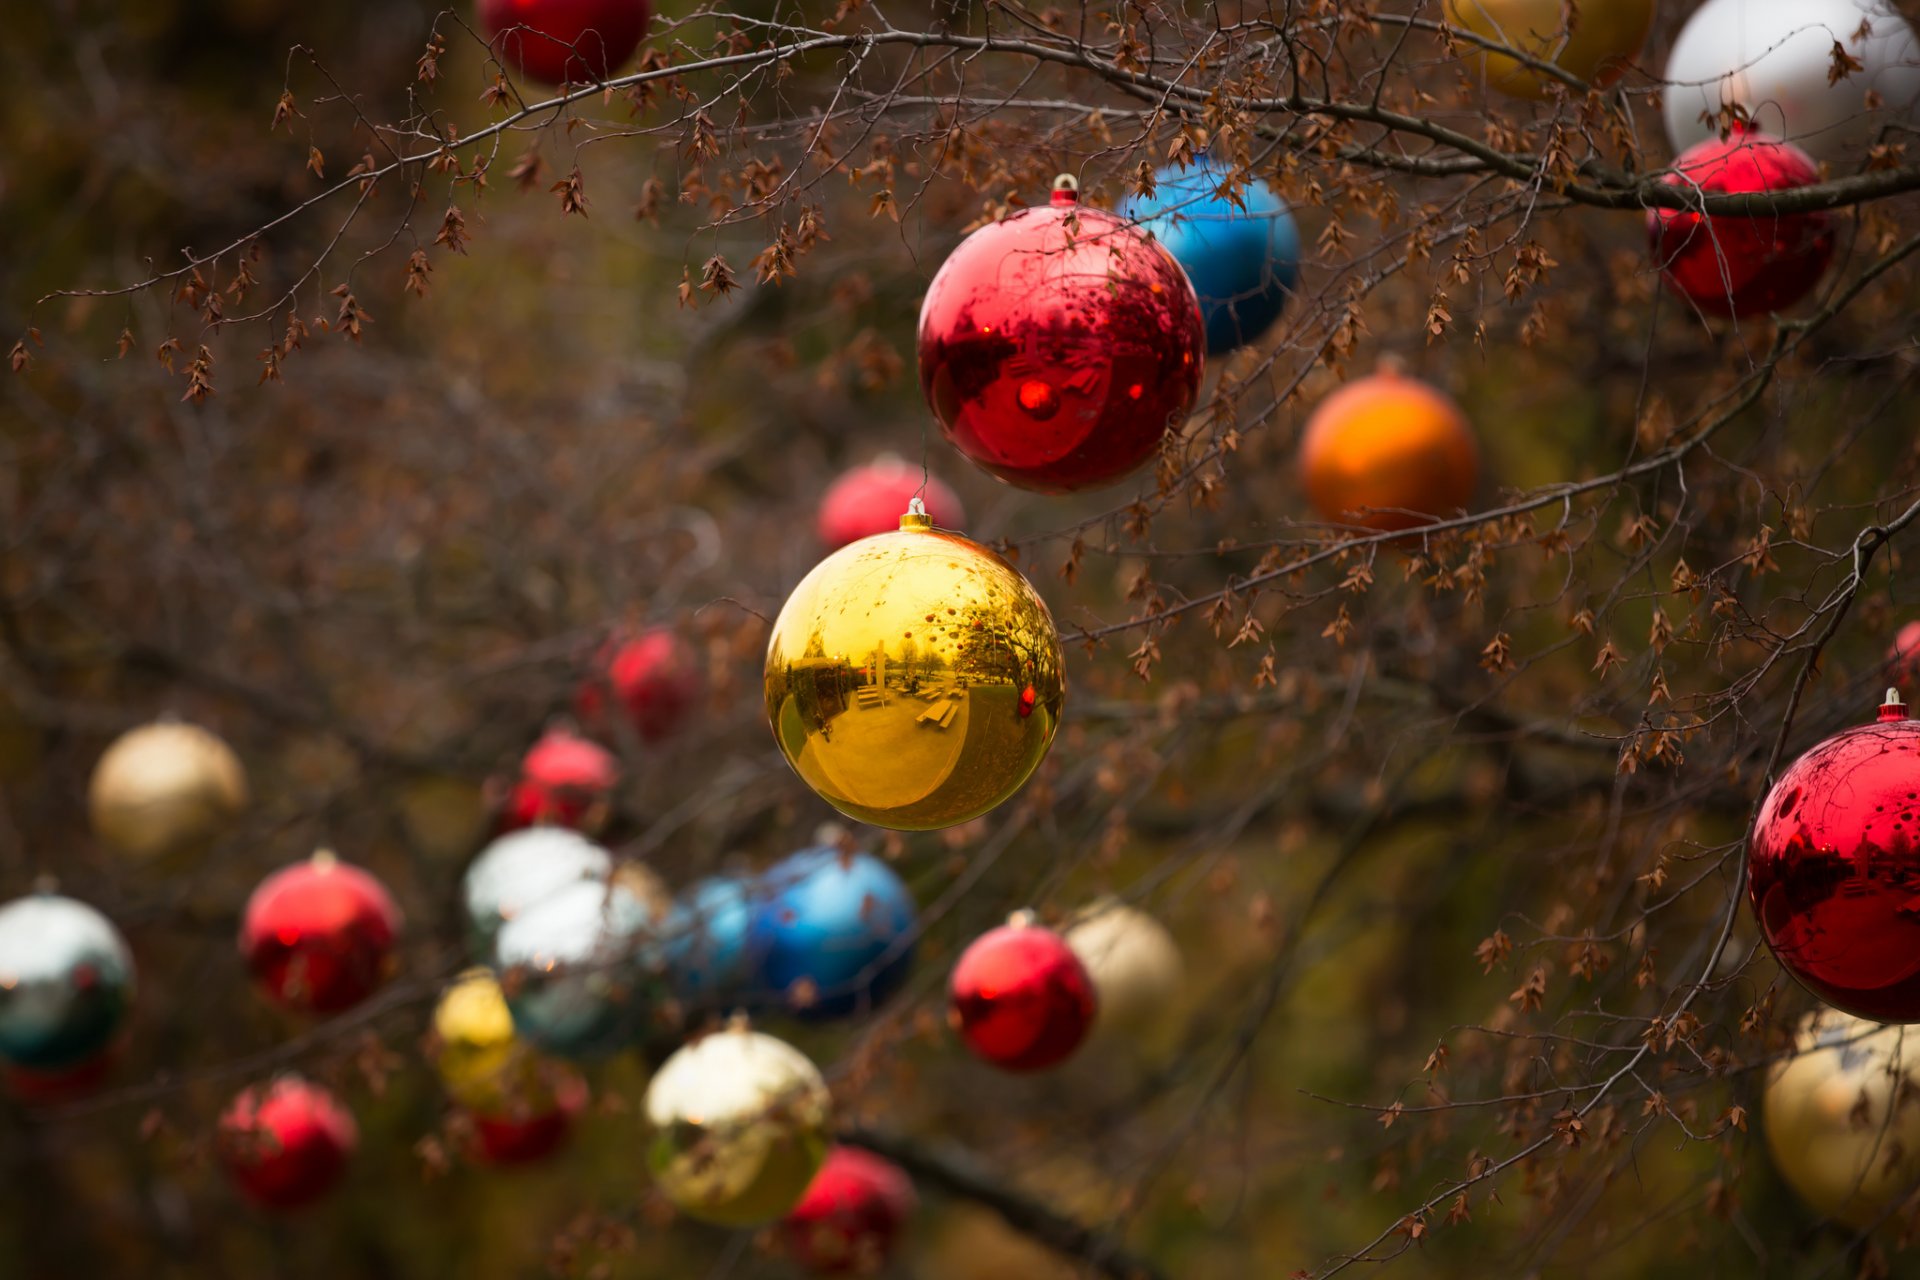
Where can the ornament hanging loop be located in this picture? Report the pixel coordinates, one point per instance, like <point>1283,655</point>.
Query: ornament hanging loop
<point>1892,708</point>
<point>1066,189</point>
<point>916,516</point>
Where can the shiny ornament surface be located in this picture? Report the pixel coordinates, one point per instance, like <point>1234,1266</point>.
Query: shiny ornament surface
<point>1833,868</point>
<point>66,984</point>
<point>832,935</point>
<point>1840,1118</point>
<point>165,787</point>
<point>523,1136</point>
<point>520,870</point>
<point>1059,345</point>
<point>1775,57</point>
<point>869,499</point>
<point>565,780</point>
<point>653,677</point>
<point>1903,658</point>
<point>738,1127</point>
<point>1728,265</point>
<point>583,970</point>
<point>1021,999</point>
<point>851,1216</point>
<point>562,41</point>
<point>1242,259</point>
<point>1138,976</point>
<point>319,935</point>
<point>1388,452</point>
<point>1594,41</point>
<point>707,942</point>
<point>287,1144</point>
<point>480,1061</point>
<point>897,678</point>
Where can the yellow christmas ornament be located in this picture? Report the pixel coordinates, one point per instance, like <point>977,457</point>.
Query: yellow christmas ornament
<point>482,1064</point>
<point>1592,41</point>
<point>165,788</point>
<point>1842,1117</point>
<point>914,678</point>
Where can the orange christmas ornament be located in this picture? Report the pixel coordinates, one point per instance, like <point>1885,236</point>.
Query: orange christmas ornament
<point>1388,452</point>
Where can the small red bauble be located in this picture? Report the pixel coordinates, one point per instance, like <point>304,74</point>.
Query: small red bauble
<point>1058,347</point>
<point>1730,265</point>
<point>653,676</point>
<point>319,935</point>
<point>564,41</point>
<point>517,1138</point>
<point>565,780</point>
<point>286,1145</point>
<point>1833,868</point>
<point>1903,656</point>
<point>64,1085</point>
<point>871,499</point>
<point>854,1210</point>
<point>1020,998</point>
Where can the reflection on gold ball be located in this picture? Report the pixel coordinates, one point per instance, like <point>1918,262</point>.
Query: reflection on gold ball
<point>479,1060</point>
<point>1137,974</point>
<point>164,788</point>
<point>1595,46</point>
<point>739,1126</point>
<point>1833,1125</point>
<point>914,679</point>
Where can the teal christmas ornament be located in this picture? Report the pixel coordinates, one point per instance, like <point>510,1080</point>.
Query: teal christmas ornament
<point>706,942</point>
<point>832,934</point>
<point>66,983</point>
<point>584,968</point>
<point>1242,261</point>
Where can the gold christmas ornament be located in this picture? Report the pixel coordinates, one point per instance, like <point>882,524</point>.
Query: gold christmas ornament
<point>914,678</point>
<point>1137,974</point>
<point>1842,1120</point>
<point>739,1125</point>
<point>1593,43</point>
<point>480,1061</point>
<point>164,788</point>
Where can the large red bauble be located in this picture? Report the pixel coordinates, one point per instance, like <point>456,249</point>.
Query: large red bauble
<point>652,675</point>
<point>853,1211</point>
<point>1020,997</point>
<point>565,780</point>
<point>319,935</point>
<point>1058,346</point>
<point>564,41</point>
<point>1833,868</point>
<point>286,1145</point>
<point>1729,265</point>
<point>871,499</point>
<point>529,1136</point>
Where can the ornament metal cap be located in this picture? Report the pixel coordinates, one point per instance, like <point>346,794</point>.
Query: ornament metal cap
<point>1066,190</point>
<point>916,516</point>
<point>1892,709</point>
<point>1025,918</point>
<point>324,859</point>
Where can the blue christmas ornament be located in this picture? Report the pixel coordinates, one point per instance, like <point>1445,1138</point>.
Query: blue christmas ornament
<point>66,982</point>
<point>832,934</point>
<point>1242,262</point>
<point>706,940</point>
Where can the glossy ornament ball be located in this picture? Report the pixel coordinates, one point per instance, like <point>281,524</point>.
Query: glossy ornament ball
<point>1593,42</point>
<point>1841,1123</point>
<point>286,1145</point>
<point>1833,865</point>
<point>1903,656</point>
<point>564,41</point>
<point>523,1135</point>
<point>851,1216</point>
<point>479,1060</point>
<point>1733,265</point>
<point>1388,452</point>
<point>1059,346</point>
<point>706,942</point>
<point>1138,976</point>
<point>832,934</point>
<point>1020,998</point>
<point>739,1126</point>
<point>319,935</point>
<point>869,499</point>
<point>1242,258</point>
<point>66,986</point>
<point>583,970</point>
<point>520,870</point>
<point>914,679</point>
<point>565,780</point>
<point>652,677</point>
<point>164,788</point>
<point>1774,58</point>
<point>65,1084</point>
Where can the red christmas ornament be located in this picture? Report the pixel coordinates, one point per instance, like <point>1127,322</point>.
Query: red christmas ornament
<point>854,1210</point>
<point>564,41</point>
<point>868,500</point>
<point>287,1145</point>
<point>46,1088</point>
<point>653,676</point>
<point>1903,656</point>
<point>319,935</point>
<point>1058,346</point>
<point>515,1138</point>
<point>1833,868</point>
<point>1729,265</point>
<point>1020,998</point>
<point>565,780</point>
